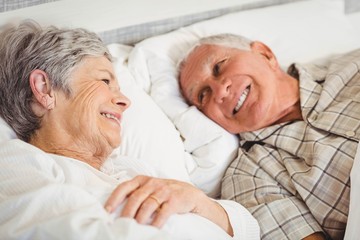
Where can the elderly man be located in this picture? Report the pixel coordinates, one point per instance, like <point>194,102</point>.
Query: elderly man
<point>298,130</point>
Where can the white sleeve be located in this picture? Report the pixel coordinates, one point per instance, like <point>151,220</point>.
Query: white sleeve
<point>38,202</point>
<point>66,212</point>
<point>244,225</point>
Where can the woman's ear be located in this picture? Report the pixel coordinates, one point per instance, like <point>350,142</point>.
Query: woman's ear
<point>264,50</point>
<point>41,89</point>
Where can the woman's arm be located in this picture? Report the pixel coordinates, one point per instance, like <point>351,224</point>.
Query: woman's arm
<point>154,200</point>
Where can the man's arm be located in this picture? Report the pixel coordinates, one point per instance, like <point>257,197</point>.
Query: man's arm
<point>263,185</point>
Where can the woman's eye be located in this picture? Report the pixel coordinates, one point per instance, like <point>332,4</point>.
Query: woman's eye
<point>106,81</point>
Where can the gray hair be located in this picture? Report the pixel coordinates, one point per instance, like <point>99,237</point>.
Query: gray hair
<point>224,39</point>
<point>55,51</point>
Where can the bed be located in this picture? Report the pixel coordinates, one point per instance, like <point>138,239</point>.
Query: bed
<point>160,127</point>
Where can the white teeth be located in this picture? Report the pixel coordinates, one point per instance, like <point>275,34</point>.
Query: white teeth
<point>108,115</point>
<point>241,99</point>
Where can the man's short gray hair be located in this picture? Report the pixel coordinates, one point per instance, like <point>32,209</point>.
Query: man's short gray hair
<point>225,39</point>
<point>27,47</point>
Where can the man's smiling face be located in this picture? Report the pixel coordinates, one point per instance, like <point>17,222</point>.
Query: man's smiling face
<point>235,88</point>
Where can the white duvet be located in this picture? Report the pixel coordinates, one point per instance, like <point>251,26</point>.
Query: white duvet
<point>46,196</point>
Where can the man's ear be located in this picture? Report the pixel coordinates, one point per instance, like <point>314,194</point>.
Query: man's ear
<point>41,89</point>
<point>264,50</point>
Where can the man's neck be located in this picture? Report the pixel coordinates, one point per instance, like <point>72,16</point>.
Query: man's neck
<point>290,99</point>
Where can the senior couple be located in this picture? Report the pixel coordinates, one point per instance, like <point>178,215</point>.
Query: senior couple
<point>60,95</point>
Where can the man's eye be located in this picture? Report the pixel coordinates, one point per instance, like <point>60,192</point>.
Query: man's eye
<point>217,67</point>
<point>106,81</point>
<point>203,95</point>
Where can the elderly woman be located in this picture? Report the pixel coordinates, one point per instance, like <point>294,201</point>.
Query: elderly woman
<point>60,95</point>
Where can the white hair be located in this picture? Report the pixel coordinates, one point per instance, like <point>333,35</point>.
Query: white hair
<point>224,39</point>
<point>55,51</point>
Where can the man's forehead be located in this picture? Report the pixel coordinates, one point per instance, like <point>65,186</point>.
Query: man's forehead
<point>200,58</point>
<point>203,52</point>
<point>195,69</point>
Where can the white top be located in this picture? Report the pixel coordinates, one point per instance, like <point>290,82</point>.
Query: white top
<point>46,196</point>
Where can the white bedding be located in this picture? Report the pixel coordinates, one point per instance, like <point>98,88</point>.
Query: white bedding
<point>54,197</point>
<point>146,131</point>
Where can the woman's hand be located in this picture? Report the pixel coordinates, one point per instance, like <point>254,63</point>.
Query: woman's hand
<point>155,200</point>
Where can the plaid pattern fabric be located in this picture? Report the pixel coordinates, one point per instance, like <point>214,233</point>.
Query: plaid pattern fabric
<point>295,177</point>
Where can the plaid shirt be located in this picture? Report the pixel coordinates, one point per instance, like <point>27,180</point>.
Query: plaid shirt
<point>294,177</point>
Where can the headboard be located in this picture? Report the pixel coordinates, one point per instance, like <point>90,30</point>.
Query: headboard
<point>126,21</point>
<point>352,6</point>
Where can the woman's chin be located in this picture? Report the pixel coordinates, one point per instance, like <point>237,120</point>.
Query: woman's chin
<point>115,143</point>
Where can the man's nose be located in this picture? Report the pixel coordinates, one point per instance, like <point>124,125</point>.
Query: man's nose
<point>221,90</point>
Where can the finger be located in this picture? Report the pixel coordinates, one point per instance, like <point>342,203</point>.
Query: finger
<point>134,202</point>
<point>120,193</point>
<point>147,209</point>
<point>162,215</point>
<point>152,205</point>
<point>158,201</point>
<point>139,196</point>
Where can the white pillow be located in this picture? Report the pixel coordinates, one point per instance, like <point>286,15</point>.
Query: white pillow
<point>147,133</point>
<point>209,147</point>
<point>300,31</point>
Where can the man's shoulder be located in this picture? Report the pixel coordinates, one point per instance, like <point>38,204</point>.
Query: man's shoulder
<point>319,69</point>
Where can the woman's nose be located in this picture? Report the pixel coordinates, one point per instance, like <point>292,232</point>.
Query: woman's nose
<point>121,100</point>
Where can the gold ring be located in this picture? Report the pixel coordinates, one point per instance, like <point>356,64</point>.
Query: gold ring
<point>155,199</point>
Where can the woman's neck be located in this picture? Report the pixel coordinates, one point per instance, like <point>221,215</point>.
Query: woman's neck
<point>69,147</point>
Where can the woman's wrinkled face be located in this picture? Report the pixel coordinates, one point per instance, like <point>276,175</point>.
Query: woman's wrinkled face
<point>92,114</point>
<point>233,87</point>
